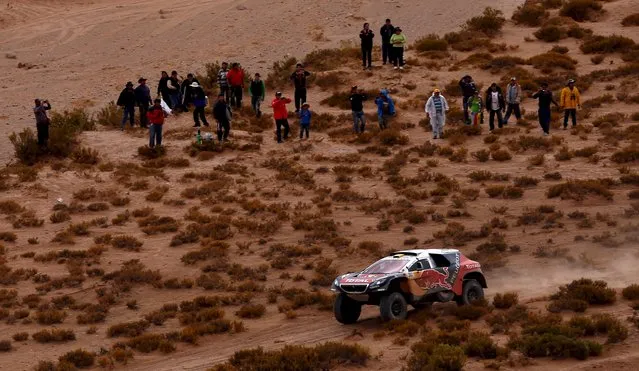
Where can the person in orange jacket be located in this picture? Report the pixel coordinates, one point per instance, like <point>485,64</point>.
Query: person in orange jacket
<point>280,114</point>
<point>235,78</point>
<point>570,100</point>
<point>155,115</point>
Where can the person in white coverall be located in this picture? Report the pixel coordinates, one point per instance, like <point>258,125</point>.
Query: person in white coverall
<point>436,108</point>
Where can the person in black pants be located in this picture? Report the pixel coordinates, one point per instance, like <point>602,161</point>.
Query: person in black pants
<point>299,82</point>
<point>386,32</point>
<point>545,99</point>
<point>366,35</point>
<point>42,121</point>
<point>467,86</point>
<point>495,105</point>
<point>144,101</point>
<point>222,114</point>
<point>198,98</point>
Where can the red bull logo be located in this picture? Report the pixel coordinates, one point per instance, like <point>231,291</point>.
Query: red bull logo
<point>438,279</point>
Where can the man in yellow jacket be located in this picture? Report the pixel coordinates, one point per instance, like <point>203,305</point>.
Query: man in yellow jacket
<point>570,100</point>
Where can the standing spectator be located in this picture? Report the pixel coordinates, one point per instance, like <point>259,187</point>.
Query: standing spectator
<point>127,100</point>
<point>163,88</point>
<point>436,108</point>
<point>198,98</point>
<point>545,99</point>
<point>385,108</point>
<point>386,32</point>
<point>235,79</point>
<point>357,106</point>
<point>222,114</point>
<point>223,82</point>
<point>305,119</point>
<point>476,106</point>
<point>570,100</point>
<point>398,40</point>
<point>366,35</point>
<point>156,119</point>
<point>513,99</point>
<point>143,99</point>
<point>173,86</point>
<point>280,114</point>
<point>185,91</point>
<point>467,86</point>
<point>257,91</point>
<point>495,105</point>
<point>299,82</point>
<point>42,121</point>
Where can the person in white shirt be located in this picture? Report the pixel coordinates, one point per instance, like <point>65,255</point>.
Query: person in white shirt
<point>495,105</point>
<point>436,108</point>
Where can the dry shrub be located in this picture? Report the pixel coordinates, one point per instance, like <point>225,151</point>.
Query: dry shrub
<point>53,335</point>
<point>50,316</point>
<point>133,272</point>
<point>430,43</point>
<point>128,329</point>
<point>581,10</point>
<point>631,292</point>
<point>147,343</point>
<point>551,60</point>
<point>530,15</point>
<point>607,44</point>
<point>428,355</point>
<point>631,20</point>
<point>626,155</point>
<point>526,181</point>
<point>330,80</point>
<point>251,311</point>
<point>578,294</point>
<point>79,358</point>
<point>330,59</point>
<point>489,23</point>
<point>8,236</point>
<point>578,190</point>
<point>126,242</point>
<point>86,156</point>
<point>157,193</point>
<point>549,33</point>
<point>506,300</point>
<point>392,137</point>
<point>501,155</point>
<point>149,153</point>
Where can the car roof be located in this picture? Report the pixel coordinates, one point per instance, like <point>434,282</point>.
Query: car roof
<point>424,252</point>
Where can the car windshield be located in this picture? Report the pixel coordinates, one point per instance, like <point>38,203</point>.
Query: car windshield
<point>386,266</point>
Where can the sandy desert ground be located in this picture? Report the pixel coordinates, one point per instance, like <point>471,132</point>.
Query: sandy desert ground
<point>260,226</point>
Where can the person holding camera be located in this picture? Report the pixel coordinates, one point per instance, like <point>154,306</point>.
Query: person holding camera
<point>545,99</point>
<point>280,114</point>
<point>42,121</point>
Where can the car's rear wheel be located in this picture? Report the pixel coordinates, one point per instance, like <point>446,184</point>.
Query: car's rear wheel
<point>471,291</point>
<point>393,306</point>
<point>346,310</point>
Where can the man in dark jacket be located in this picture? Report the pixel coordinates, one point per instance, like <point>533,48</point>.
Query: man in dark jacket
<point>357,106</point>
<point>545,99</point>
<point>198,98</point>
<point>299,82</point>
<point>163,88</point>
<point>386,32</point>
<point>468,88</point>
<point>366,35</point>
<point>173,86</point>
<point>143,100</point>
<point>495,105</point>
<point>42,121</point>
<point>127,100</point>
<point>222,114</point>
<point>185,91</point>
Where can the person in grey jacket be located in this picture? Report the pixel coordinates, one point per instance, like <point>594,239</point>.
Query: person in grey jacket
<point>513,99</point>
<point>436,108</point>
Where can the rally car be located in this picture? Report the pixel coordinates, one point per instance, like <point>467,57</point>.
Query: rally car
<point>415,277</point>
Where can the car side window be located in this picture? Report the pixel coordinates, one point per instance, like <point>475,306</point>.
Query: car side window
<point>425,264</point>
<point>416,267</point>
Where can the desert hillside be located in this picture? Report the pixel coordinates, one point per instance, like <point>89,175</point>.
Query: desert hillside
<point>191,256</point>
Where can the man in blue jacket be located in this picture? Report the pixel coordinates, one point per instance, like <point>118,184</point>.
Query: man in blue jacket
<point>385,108</point>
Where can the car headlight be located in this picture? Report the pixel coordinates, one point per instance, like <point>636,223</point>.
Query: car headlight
<point>377,283</point>
<point>335,284</point>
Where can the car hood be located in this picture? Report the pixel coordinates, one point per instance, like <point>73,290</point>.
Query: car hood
<point>361,278</point>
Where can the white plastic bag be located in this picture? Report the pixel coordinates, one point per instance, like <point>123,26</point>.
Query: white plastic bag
<point>165,107</point>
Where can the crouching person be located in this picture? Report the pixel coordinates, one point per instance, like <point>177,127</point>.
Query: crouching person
<point>385,108</point>
<point>436,108</point>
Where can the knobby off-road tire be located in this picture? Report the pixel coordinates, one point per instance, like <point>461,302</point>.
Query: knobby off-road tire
<point>346,310</point>
<point>471,291</point>
<point>393,306</point>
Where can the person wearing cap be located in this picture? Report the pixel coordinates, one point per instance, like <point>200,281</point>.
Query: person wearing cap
<point>386,32</point>
<point>198,98</point>
<point>544,95</point>
<point>143,100</point>
<point>305,119</point>
<point>467,86</point>
<point>298,78</point>
<point>495,105</point>
<point>398,41</point>
<point>185,91</point>
<point>127,100</point>
<point>385,108</point>
<point>280,114</point>
<point>42,121</point>
<point>257,92</point>
<point>156,117</point>
<point>222,114</point>
<point>357,99</point>
<point>436,108</point>
<point>235,78</point>
<point>223,82</point>
<point>570,100</point>
<point>366,36</point>
<point>475,106</point>
<point>513,99</point>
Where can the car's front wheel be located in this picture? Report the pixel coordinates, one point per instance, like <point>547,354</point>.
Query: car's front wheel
<point>393,306</point>
<point>471,291</point>
<point>346,310</point>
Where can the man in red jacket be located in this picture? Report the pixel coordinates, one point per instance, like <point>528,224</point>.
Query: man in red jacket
<point>156,121</point>
<point>280,114</point>
<point>235,78</point>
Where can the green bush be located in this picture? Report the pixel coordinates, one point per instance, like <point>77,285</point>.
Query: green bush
<point>581,10</point>
<point>489,23</point>
<point>480,345</point>
<point>583,290</point>
<point>607,44</point>
<point>447,357</point>
<point>530,15</point>
<point>110,116</point>
<point>431,42</point>
<point>25,146</point>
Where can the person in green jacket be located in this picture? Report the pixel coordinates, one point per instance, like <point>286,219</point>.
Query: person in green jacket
<point>476,106</point>
<point>257,91</point>
<point>398,41</point>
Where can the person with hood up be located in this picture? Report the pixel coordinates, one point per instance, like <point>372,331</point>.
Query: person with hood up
<point>156,117</point>
<point>467,86</point>
<point>305,119</point>
<point>222,114</point>
<point>42,121</point>
<point>357,99</point>
<point>185,91</point>
<point>223,82</point>
<point>366,35</point>
<point>544,95</point>
<point>476,106</point>
<point>127,100</point>
<point>144,101</point>
<point>280,114</point>
<point>570,100</point>
<point>436,108</point>
<point>236,83</point>
<point>513,99</point>
<point>257,91</point>
<point>198,98</point>
<point>386,32</point>
<point>495,105</point>
<point>398,41</point>
<point>385,108</point>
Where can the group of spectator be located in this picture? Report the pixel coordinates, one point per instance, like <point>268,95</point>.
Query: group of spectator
<point>393,43</point>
